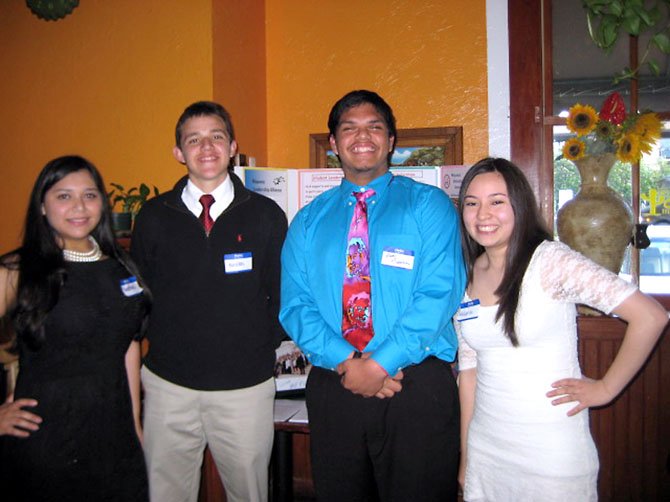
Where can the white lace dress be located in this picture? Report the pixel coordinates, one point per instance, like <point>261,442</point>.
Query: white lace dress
<point>520,447</point>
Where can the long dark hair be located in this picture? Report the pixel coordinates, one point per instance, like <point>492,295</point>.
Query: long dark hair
<point>529,232</point>
<point>39,261</point>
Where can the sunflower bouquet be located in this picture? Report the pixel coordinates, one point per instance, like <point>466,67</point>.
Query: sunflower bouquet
<point>611,131</point>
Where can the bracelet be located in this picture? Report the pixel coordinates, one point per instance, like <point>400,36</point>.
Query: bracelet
<point>357,355</point>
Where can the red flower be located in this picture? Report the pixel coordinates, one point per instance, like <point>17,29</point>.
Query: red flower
<point>614,109</point>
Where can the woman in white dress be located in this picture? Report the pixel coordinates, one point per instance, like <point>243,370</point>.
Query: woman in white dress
<point>524,402</point>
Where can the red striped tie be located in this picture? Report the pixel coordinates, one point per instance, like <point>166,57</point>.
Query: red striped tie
<point>206,200</point>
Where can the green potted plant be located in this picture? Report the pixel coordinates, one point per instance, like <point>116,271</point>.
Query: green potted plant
<point>130,202</point>
<point>608,19</point>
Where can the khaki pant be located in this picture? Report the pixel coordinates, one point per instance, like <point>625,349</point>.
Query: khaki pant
<point>237,425</point>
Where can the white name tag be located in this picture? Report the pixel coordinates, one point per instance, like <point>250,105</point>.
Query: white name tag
<point>399,258</point>
<point>130,286</point>
<point>237,262</point>
<point>468,310</point>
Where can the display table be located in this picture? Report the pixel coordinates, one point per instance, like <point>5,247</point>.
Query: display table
<point>282,460</point>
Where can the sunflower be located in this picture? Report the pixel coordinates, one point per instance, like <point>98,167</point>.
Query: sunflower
<point>629,148</point>
<point>582,119</point>
<point>574,149</point>
<point>648,126</point>
<point>605,130</point>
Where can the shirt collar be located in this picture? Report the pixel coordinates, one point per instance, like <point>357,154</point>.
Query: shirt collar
<point>223,196</point>
<point>379,185</point>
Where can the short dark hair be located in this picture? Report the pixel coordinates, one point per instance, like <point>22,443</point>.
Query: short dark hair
<point>529,232</point>
<point>200,108</point>
<point>357,98</point>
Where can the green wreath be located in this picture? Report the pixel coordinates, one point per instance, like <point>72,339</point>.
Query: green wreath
<point>52,10</point>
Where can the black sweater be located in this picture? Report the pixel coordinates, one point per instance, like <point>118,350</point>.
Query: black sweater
<point>210,330</point>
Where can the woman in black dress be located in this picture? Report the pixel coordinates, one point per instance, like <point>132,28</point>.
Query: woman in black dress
<point>73,431</point>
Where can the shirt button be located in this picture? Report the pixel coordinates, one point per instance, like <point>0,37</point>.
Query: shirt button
<point>427,348</point>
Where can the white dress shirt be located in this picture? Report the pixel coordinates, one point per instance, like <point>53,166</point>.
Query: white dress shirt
<point>223,196</point>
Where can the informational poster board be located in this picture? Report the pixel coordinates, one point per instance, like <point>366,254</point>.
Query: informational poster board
<point>293,189</point>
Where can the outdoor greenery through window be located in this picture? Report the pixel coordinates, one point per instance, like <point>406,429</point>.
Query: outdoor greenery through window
<point>583,73</point>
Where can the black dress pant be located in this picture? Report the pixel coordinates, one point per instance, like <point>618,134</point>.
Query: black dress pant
<point>400,449</point>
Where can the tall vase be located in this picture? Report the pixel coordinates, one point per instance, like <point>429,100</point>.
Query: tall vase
<point>597,222</point>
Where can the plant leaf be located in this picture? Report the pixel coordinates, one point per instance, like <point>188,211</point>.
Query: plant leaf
<point>616,7</point>
<point>653,66</point>
<point>662,41</point>
<point>643,15</point>
<point>608,31</point>
<point>631,23</point>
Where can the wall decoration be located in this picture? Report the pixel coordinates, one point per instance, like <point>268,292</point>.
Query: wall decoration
<point>52,10</point>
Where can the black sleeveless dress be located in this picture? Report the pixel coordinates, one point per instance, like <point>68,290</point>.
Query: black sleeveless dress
<point>86,448</point>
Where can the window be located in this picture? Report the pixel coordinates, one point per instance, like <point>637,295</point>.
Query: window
<point>565,67</point>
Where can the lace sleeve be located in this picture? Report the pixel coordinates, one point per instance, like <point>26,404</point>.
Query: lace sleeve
<point>569,276</point>
<point>467,356</point>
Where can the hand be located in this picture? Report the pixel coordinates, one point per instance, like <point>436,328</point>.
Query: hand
<point>15,421</point>
<point>139,431</point>
<point>362,376</point>
<point>586,391</point>
<point>461,474</point>
<point>391,386</point>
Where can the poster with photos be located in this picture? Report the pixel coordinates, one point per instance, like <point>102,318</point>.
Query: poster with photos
<point>291,368</point>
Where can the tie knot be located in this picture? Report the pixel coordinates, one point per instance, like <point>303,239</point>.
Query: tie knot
<point>363,196</point>
<point>207,200</point>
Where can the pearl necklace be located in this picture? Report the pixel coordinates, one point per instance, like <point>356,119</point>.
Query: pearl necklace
<point>93,255</point>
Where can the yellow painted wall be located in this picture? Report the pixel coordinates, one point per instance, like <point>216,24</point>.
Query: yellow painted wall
<point>107,82</point>
<point>426,58</point>
<point>239,71</point>
<point>110,80</point>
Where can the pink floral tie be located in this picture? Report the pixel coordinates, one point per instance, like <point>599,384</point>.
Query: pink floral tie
<point>206,200</point>
<point>356,296</point>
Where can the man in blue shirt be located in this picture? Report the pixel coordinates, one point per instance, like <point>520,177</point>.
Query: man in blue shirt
<point>384,418</point>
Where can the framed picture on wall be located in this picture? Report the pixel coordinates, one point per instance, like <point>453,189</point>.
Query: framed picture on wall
<point>427,146</point>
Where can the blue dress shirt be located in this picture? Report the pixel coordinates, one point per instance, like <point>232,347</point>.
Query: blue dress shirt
<point>412,307</point>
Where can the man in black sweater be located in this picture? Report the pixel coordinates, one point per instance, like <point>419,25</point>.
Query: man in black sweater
<point>212,265</point>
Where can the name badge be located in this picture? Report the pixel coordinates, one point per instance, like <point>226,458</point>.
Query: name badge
<point>130,286</point>
<point>398,258</point>
<point>237,262</point>
<point>468,310</point>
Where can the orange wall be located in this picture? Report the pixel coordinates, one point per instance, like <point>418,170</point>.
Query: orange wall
<point>427,59</point>
<point>110,80</point>
<point>107,82</point>
<point>239,71</point>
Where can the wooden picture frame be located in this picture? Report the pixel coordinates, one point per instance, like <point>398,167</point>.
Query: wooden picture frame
<point>450,139</point>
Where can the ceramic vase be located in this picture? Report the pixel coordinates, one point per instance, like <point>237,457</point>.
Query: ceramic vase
<point>597,222</point>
